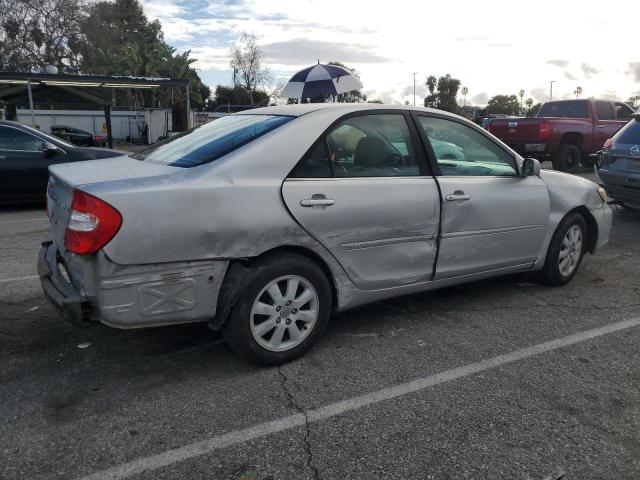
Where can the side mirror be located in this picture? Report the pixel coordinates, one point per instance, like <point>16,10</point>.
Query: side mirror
<point>49,149</point>
<point>530,167</point>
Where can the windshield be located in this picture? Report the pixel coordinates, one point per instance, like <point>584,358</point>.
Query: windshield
<point>48,138</point>
<point>211,141</point>
<point>566,108</point>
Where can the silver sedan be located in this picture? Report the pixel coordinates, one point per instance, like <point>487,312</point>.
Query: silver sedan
<point>265,222</point>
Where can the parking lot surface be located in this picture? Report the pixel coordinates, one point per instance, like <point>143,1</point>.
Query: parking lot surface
<point>503,378</point>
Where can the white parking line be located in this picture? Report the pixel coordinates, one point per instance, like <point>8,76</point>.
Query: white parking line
<point>322,413</point>
<point>18,279</point>
<point>21,221</point>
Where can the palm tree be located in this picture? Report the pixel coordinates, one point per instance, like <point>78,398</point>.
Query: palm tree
<point>431,83</point>
<point>529,103</point>
<point>578,92</point>
<point>521,93</point>
<point>464,92</point>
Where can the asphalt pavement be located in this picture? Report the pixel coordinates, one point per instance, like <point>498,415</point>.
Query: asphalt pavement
<point>499,379</point>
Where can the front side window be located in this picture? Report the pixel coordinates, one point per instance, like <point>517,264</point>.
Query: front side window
<point>624,111</point>
<point>604,111</point>
<point>14,139</point>
<point>212,140</point>
<point>377,145</point>
<point>460,150</point>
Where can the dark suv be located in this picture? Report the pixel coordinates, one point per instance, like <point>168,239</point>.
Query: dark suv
<point>619,164</point>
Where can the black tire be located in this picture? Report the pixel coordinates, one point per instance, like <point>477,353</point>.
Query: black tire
<point>550,274</point>
<point>237,330</point>
<point>567,159</point>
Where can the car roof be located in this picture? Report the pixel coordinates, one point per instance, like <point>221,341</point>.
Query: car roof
<point>342,108</point>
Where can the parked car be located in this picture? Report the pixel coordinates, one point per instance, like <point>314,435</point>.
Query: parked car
<point>619,164</point>
<point>25,155</point>
<point>256,224</point>
<point>568,132</point>
<point>78,136</point>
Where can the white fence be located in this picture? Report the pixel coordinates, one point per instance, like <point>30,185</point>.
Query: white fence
<point>144,126</point>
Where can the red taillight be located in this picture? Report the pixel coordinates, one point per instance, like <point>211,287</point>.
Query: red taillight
<point>92,224</point>
<point>544,130</point>
<point>608,144</point>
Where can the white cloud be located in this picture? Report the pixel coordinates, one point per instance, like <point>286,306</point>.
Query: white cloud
<point>558,63</point>
<point>589,70</point>
<point>480,98</point>
<point>634,71</point>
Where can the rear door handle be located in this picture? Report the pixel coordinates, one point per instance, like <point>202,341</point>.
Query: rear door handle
<point>457,196</point>
<point>312,202</point>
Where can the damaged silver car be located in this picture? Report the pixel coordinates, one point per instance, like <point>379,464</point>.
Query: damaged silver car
<point>265,222</point>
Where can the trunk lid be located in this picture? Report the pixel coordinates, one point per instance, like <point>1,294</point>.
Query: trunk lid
<point>65,177</point>
<point>515,131</point>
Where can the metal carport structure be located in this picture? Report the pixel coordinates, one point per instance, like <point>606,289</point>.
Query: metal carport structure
<point>17,87</point>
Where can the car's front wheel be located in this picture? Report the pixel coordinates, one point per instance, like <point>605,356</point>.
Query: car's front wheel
<point>565,251</point>
<point>282,312</point>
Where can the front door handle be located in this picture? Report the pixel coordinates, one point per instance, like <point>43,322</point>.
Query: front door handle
<point>457,196</point>
<point>600,126</point>
<point>313,202</point>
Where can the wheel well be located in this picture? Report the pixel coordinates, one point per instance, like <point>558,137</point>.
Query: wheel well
<point>572,138</point>
<point>238,276</point>
<point>311,255</point>
<point>592,226</point>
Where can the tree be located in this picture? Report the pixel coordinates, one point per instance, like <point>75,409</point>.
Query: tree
<point>504,104</point>
<point>246,62</point>
<point>37,33</point>
<point>521,94</point>
<point>578,92</point>
<point>529,102</point>
<point>443,93</point>
<point>237,96</point>
<point>634,102</point>
<point>465,92</point>
<point>533,109</point>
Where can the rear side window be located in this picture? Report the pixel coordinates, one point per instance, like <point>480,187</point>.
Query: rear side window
<point>212,140</point>
<point>629,134</point>
<point>604,111</point>
<point>566,109</point>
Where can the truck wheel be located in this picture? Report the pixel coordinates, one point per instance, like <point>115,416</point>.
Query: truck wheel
<point>283,311</point>
<point>565,251</point>
<point>567,159</point>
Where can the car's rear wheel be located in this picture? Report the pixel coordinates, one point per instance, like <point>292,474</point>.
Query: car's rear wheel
<point>283,311</point>
<point>567,158</point>
<point>565,251</point>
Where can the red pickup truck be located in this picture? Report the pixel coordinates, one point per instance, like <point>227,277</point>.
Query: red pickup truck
<point>567,132</point>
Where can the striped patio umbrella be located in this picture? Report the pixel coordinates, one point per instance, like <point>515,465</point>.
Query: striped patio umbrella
<point>319,81</point>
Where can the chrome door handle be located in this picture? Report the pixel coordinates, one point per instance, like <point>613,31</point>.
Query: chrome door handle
<point>312,202</point>
<point>600,126</point>
<point>2,157</point>
<point>457,197</point>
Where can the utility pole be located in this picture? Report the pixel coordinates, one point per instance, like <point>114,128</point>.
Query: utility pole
<point>551,90</point>
<point>414,88</point>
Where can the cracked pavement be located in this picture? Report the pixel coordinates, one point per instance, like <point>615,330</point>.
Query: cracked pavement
<point>67,412</point>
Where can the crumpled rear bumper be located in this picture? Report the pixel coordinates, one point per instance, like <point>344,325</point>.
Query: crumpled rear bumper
<point>63,296</point>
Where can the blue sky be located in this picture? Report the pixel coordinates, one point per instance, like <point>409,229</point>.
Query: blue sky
<point>494,47</point>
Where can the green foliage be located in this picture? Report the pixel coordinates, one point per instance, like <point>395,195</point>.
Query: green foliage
<point>634,102</point>
<point>443,93</point>
<point>102,38</point>
<point>34,34</point>
<point>237,96</point>
<point>533,110</point>
<point>505,104</point>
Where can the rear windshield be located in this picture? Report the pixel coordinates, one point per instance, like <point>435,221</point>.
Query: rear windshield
<point>568,109</point>
<point>211,141</point>
<point>630,133</point>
